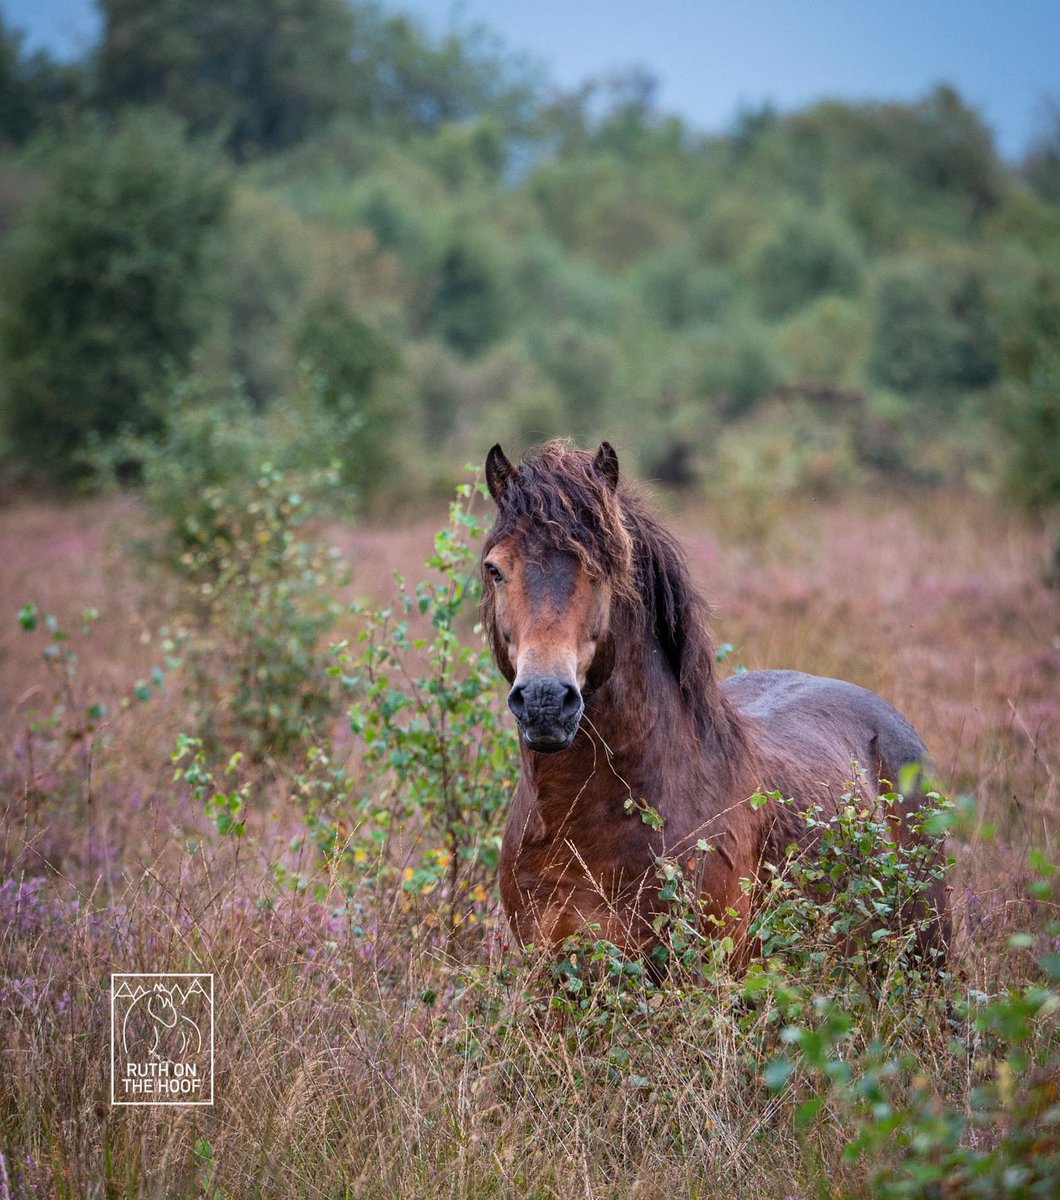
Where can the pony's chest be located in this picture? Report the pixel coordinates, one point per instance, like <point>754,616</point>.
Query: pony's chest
<point>554,890</point>
<point>601,854</point>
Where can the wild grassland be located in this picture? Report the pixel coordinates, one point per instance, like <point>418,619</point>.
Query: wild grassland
<point>362,1053</point>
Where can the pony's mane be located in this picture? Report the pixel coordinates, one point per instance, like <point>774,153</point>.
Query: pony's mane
<point>560,500</point>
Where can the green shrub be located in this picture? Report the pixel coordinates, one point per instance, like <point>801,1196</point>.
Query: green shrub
<point>62,742</point>
<point>827,342</point>
<point>470,305</point>
<point>984,1125</point>
<point>785,449</point>
<point>261,599</point>
<point>468,154</point>
<point>388,206</point>
<point>511,392</point>
<point>265,272</point>
<point>67,730</point>
<point>439,758</point>
<point>738,366</point>
<point>256,595</point>
<point>677,291</point>
<point>934,332</point>
<point>353,364</point>
<point>103,287</point>
<point>549,285</point>
<point>582,366</point>
<point>1041,167</point>
<point>809,256</point>
<point>851,912</point>
<point>1031,418</point>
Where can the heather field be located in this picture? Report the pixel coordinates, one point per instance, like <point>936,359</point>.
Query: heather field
<point>370,1044</point>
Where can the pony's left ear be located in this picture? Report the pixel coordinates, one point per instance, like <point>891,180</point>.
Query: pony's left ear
<point>605,463</point>
<point>498,471</point>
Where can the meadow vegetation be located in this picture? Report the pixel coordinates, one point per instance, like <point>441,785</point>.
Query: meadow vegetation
<point>262,298</point>
<point>377,1032</point>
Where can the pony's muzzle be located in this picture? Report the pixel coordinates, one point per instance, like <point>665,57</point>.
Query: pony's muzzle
<point>547,710</point>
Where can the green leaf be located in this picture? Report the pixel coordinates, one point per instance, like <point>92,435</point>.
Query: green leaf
<point>776,1073</point>
<point>651,816</point>
<point>806,1111</point>
<point>1050,964</point>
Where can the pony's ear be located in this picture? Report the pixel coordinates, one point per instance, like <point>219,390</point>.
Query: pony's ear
<point>605,462</point>
<point>498,471</point>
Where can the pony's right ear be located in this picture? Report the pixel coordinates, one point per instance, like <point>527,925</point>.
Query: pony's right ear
<point>605,462</point>
<point>498,471</point>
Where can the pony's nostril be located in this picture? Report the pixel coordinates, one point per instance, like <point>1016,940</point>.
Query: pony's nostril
<point>517,702</point>
<point>572,701</point>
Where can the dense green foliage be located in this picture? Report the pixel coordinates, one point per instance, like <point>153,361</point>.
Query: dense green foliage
<point>455,257</point>
<point>266,74</point>
<point>103,286</point>
<point>36,93</point>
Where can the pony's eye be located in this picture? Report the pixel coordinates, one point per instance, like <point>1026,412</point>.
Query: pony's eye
<point>494,572</point>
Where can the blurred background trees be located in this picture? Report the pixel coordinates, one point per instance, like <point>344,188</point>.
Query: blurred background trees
<point>36,93</point>
<point>419,248</point>
<point>105,286</point>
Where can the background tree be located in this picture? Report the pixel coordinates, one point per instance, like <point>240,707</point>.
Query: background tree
<point>582,263</point>
<point>1041,167</point>
<point>407,83</point>
<point>103,286</point>
<point>934,333</point>
<point>470,302</point>
<point>352,364</point>
<point>35,91</point>
<point>267,74</point>
<point>262,73</point>
<point>806,258</point>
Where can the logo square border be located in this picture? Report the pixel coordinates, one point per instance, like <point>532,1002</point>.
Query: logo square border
<point>161,975</point>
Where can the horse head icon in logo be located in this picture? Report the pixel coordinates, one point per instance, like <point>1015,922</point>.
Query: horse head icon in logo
<point>155,1028</point>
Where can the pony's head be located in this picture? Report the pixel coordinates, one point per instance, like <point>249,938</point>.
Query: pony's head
<point>558,557</point>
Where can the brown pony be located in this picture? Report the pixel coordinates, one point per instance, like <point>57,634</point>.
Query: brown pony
<point>593,620</point>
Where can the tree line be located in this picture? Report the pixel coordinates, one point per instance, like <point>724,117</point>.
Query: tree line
<point>277,207</point>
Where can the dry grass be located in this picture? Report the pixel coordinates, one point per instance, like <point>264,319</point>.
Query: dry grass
<point>335,1076</point>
